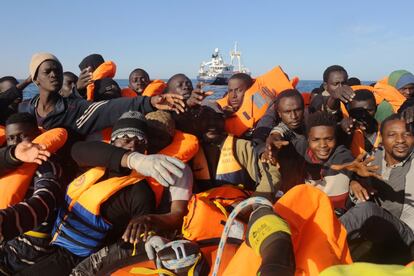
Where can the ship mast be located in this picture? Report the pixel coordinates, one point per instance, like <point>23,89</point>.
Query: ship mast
<point>236,54</point>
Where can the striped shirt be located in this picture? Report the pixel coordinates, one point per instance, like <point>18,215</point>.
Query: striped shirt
<point>35,213</point>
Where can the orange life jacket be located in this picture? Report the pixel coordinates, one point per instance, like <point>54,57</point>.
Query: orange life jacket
<point>84,198</point>
<point>319,239</point>
<point>2,135</point>
<point>207,212</point>
<point>378,97</point>
<point>154,88</point>
<point>255,102</point>
<point>128,93</point>
<point>14,185</point>
<point>358,142</point>
<point>105,70</point>
<point>184,146</point>
<point>390,93</point>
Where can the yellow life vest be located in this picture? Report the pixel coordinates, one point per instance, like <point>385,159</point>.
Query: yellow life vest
<point>229,170</point>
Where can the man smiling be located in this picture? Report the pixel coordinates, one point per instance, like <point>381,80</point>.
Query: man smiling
<point>391,224</point>
<point>319,150</point>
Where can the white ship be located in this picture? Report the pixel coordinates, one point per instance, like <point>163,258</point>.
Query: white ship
<point>217,72</point>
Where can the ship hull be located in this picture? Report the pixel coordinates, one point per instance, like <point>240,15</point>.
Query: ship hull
<point>213,81</point>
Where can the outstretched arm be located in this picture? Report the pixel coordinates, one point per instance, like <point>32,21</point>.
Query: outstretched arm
<point>158,166</point>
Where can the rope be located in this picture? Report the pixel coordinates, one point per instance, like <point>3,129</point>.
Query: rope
<point>232,216</point>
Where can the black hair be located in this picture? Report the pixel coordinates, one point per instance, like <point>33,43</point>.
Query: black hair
<point>22,118</point>
<point>333,68</point>
<point>320,118</point>
<point>364,95</point>
<point>392,117</point>
<point>106,89</point>
<point>353,81</point>
<point>176,76</point>
<point>9,78</point>
<point>70,74</point>
<point>289,93</point>
<point>94,61</point>
<point>243,77</point>
<point>139,70</point>
<point>316,91</point>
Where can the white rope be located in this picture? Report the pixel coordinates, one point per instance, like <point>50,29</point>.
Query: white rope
<point>232,216</point>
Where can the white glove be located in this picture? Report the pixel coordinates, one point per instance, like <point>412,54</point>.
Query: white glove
<point>158,166</point>
<point>153,245</point>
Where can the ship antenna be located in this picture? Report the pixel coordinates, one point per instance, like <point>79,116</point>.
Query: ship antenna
<point>236,54</point>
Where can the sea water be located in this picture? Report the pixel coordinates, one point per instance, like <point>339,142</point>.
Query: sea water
<point>219,90</point>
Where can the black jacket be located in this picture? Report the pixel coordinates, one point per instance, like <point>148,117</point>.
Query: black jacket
<point>83,117</point>
<point>7,161</point>
<point>7,103</point>
<point>80,118</point>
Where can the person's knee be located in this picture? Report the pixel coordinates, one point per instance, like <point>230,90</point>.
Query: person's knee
<point>368,209</point>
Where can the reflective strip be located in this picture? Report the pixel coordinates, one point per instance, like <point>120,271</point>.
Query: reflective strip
<point>36,234</point>
<point>258,100</point>
<point>263,227</point>
<point>88,113</point>
<point>221,207</point>
<point>150,271</point>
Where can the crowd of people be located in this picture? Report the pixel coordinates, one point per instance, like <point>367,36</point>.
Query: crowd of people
<point>93,175</point>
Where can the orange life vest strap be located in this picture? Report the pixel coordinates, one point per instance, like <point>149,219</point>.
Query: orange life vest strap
<point>294,81</point>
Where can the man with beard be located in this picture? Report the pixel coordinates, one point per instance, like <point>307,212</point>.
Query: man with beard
<point>389,225</point>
